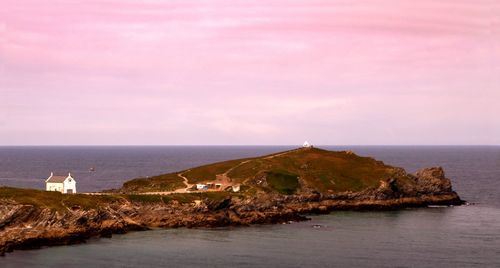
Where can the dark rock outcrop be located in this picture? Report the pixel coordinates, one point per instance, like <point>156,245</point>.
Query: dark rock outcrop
<point>432,180</point>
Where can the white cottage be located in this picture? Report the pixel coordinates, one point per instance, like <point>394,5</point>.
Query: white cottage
<point>63,184</point>
<point>306,145</point>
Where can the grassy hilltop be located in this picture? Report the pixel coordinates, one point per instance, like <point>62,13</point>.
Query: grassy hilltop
<point>286,173</point>
<point>291,172</point>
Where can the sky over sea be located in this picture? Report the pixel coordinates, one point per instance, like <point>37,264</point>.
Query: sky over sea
<point>153,72</point>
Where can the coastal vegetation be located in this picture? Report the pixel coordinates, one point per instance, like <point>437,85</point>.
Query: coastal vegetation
<point>288,172</point>
<point>55,200</point>
<point>282,181</point>
<point>166,182</point>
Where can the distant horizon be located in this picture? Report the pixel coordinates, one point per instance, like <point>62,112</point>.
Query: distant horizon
<point>230,145</point>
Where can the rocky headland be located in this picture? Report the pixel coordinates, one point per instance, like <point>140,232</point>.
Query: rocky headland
<point>314,181</point>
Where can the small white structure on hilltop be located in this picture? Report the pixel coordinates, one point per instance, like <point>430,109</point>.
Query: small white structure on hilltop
<point>63,184</point>
<point>306,145</point>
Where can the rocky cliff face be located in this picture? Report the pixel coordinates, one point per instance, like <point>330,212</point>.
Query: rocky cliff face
<point>24,226</point>
<point>428,181</point>
<point>432,180</point>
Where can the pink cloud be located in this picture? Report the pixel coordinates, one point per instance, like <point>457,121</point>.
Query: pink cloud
<point>229,68</point>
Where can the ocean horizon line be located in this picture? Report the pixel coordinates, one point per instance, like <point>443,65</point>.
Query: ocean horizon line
<point>248,145</point>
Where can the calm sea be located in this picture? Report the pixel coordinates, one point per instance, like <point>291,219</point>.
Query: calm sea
<point>466,236</point>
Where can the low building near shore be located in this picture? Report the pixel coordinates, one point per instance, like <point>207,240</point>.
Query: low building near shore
<point>63,184</point>
<point>201,187</point>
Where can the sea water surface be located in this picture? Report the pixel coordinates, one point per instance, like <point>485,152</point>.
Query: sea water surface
<point>465,236</point>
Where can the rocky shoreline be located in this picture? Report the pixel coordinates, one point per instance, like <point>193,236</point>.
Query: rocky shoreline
<point>32,228</point>
<point>24,226</point>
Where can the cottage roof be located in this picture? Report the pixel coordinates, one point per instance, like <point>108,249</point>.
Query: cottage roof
<point>57,179</point>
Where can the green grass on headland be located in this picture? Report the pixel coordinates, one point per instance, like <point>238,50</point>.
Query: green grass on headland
<point>63,202</point>
<point>321,170</point>
<point>209,172</point>
<point>283,182</point>
<point>54,200</point>
<point>167,182</point>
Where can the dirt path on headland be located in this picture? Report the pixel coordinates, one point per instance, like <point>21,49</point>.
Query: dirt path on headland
<point>186,182</point>
<point>223,178</point>
<point>280,154</point>
<point>177,191</point>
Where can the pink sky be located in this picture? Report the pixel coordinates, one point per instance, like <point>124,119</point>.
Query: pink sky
<point>249,72</point>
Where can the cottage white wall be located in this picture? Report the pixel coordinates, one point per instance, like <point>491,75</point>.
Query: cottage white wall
<point>51,186</point>
<point>69,183</point>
